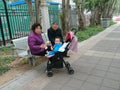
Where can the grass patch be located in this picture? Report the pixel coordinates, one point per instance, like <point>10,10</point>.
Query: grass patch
<point>112,22</point>
<point>3,64</point>
<point>5,50</point>
<point>6,60</point>
<point>88,32</point>
<point>3,69</point>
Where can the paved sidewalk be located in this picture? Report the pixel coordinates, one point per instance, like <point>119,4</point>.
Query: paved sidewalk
<point>96,65</point>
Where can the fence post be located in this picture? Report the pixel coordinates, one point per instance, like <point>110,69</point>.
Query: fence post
<point>6,12</point>
<point>1,27</point>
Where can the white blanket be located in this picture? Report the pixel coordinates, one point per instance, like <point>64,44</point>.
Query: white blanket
<point>62,48</point>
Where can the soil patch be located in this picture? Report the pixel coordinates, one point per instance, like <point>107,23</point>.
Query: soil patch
<point>19,67</point>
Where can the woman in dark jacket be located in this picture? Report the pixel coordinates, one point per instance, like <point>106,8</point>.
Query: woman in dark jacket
<point>35,40</point>
<point>54,32</point>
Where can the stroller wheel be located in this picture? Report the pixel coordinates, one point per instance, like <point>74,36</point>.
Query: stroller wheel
<point>49,73</point>
<point>71,71</point>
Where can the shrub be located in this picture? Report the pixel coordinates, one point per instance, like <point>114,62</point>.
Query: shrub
<point>88,32</point>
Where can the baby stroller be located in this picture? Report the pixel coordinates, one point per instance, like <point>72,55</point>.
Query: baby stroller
<point>57,61</point>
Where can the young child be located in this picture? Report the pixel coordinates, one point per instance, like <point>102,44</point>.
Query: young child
<point>55,48</point>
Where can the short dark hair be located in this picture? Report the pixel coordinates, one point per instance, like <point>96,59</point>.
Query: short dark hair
<point>35,25</point>
<point>57,37</point>
<point>54,23</point>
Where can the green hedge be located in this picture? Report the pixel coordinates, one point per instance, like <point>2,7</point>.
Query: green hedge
<point>88,32</point>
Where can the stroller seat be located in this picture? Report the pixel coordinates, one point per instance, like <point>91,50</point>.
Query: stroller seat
<point>57,61</point>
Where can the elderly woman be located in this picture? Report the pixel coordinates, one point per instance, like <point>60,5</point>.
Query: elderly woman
<point>35,40</point>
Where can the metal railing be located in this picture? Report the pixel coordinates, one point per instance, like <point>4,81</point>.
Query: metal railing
<point>19,21</point>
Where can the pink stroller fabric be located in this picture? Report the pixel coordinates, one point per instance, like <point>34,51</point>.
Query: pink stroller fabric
<point>74,44</point>
<point>69,35</point>
<point>74,41</point>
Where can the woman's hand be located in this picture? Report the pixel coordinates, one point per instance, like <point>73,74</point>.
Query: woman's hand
<point>43,46</point>
<point>51,48</point>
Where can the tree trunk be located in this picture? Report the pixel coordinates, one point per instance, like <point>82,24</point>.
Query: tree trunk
<point>92,18</point>
<point>108,8</point>
<point>81,20</point>
<point>95,17</point>
<point>37,5</point>
<point>65,16</point>
<point>81,16</point>
<point>112,5</point>
<point>31,12</point>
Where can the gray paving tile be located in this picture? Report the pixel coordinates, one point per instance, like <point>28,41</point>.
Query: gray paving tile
<point>75,83</point>
<point>116,30</point>
<point>118,51</point>
<point>106,59</point>
<point>94,79</point>
<point>113,49</point>
<point>114,70</point>
<point>99,73</point>
<point>114,35</point>
<point>117,56</point>
<point>109,54</point>
<point>107,43</point>
<point>111,83</point>
<point>81,76</point>
<point>114,76</point>
<point>89,86</point>
<point>117,65</point>
<point>68,88</point>
<point>93,61</point>
<point>101,67</point>
<point>85,64</point>
<point>85,57</point>
<point>86,70</point>
<point>100,49</point>
<point>104,62</point>
<point>52,86</point>
<point>61,78</point>
<point>116,60</point>
<point>106,46</point>
<point>107,88</point>
<point>82,69</point>
<point>88,60</point>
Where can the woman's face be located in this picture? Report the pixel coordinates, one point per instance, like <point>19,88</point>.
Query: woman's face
<point>55,26</point>
<point>38,30</point>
